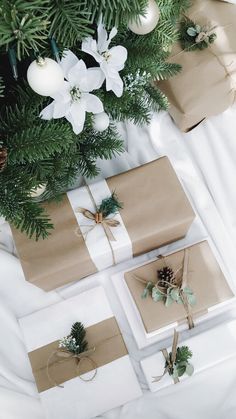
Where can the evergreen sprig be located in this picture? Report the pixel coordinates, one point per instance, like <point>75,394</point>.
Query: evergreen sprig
<point>193,36</point>
<point>181,365</point>
<point>2,87</point>
<point>110,205</point>
<point>75,342</point>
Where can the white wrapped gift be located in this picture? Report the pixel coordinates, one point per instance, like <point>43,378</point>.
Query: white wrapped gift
<point>115,382</point>
<point>209,349</point>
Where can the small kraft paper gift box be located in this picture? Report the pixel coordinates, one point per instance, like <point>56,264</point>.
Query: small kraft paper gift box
<point>203,351</point>
<point>206,84</point>
<point>81,386</point>
<point>179,290</point>
<point>153,210</point>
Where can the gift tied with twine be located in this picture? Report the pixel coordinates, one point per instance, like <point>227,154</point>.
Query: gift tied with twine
<point>99,219</point>
<point>170,360</point>
<point>203,37</point>
<point>181,283</point>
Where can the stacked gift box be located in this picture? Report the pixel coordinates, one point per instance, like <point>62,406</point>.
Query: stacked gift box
<point>206,84</point>
<point>170,293</point>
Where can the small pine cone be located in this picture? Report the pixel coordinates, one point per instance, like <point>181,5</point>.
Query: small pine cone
<point>3,158</point>
<point>165,275</point>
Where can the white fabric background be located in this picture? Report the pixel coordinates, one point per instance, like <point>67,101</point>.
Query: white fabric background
<point>205,160</point>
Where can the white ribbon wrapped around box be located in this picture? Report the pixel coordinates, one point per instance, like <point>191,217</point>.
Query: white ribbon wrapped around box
<point>209,349</point>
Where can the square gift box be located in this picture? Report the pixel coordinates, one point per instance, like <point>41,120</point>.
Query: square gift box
<point>206,84</point>
<point>209,348</point>
<point>155,211</point>
<point>115,382</point>
<point>151,321</point>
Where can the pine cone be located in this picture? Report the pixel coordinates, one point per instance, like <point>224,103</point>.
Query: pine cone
<point>3,158</point>
<point>165,275</point>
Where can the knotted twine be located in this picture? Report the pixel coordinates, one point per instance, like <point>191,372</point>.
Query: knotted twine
<point>170,360</point>
<point>99,219</point>
<point>181,284</point>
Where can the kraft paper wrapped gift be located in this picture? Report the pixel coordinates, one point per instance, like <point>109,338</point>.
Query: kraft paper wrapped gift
<point>151,321</point>
<point>207,83</point>
<point>209,349</point>
<point>155,211</point>
<point>115,382</point>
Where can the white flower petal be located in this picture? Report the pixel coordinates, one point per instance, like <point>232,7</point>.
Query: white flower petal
<point>47,113</point>
<point>92,80</point>
<point>68,60</point>
<point>113,79</point>
<point>118,57</point>
<point>112,34</point>
<point>77,73</point>
<point>102,38</point>
<point>89,45</point>
<point>93,103</point>
<point>60,109</point>
<point>63,94</point>
<point>76,116</point>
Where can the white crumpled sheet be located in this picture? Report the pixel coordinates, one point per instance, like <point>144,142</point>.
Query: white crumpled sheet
<point>205,160</point>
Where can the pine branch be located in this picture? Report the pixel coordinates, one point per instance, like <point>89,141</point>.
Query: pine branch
<point>110,205</point>
<point>25,24</point>
<point>78,332</point>
<point>2,87</point>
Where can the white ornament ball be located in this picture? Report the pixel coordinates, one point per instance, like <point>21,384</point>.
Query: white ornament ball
<point>147,22</point>
<point>101,121</point>
<point>36,192</point>
<point>45,76</point>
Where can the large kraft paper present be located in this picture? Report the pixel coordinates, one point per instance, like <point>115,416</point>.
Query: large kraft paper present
<point>84,387</point>
<point>206,84</point>
<point>155,211</point>
<point>204,277</point>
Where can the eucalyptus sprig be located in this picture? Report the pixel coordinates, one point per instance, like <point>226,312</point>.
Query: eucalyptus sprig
<point>194,36</point>
<point>110,205</point>
<point>75,342</point>
<point>168,292</point>
<point>181,365</point>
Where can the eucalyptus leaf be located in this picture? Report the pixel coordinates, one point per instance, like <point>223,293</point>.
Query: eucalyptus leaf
<point>174,293</point>
<point>169,301</point>
<point>145,293</point>
<point>198,28</point>
<point>157,295</point>
<point>189,369</point>
<point>181,368</point>
<point>187,290</point>
<point>191,299</point>
<point>191,31</point>
<point>175,372</point>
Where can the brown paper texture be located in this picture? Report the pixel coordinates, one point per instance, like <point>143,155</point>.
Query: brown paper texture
<point>206,84</point>
<point>205,278</point>
<point>104,336</point>
<point>156,211</point>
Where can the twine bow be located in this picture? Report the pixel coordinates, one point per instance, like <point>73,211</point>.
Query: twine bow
<point>62,355</point>
<point>98,218</point>
<point>170,360</point>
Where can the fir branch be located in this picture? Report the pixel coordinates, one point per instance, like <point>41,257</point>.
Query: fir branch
<point>110,205</point>
<point>2,87</point>
<point>78,332</point>
<point>24,24</point>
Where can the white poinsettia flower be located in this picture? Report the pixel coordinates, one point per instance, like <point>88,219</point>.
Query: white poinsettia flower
<point>111,61</point>
<point>74,99</point>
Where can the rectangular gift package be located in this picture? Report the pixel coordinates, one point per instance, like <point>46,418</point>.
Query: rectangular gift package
<point>206,84</point>
<point>209,348</point>
<point>155,211</point>
<point>115,382</point>
<point>152,320</point>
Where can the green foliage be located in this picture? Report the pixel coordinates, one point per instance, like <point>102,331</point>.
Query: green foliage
<point>48,152</point>
<point>193,36</point>
<point>110,205</point>
<point>78,332</point>
<point>181,365</point>
<point>23,23</point>
<point>2,87</point>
